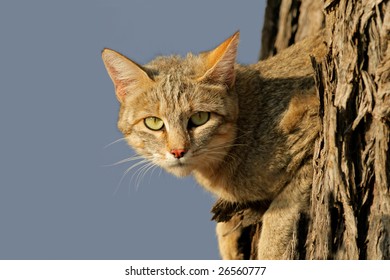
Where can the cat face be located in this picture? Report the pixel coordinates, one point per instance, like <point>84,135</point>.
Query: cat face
<point>180,113</point>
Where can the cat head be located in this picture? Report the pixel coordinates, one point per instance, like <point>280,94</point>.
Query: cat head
<point>180,113</point>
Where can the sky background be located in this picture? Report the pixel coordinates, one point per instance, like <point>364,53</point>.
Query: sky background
<point>59,196</point>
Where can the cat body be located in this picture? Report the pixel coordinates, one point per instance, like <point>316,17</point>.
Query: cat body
<point>246,133</point>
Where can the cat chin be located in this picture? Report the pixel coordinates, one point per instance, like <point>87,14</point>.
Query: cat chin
<point>179,171</point>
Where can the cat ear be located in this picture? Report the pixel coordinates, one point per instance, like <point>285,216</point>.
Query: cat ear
<point>220,62</point>
<point>126,75</point>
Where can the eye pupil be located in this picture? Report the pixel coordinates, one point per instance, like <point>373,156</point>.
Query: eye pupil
<point>154,123</point>
<point>199,119</point>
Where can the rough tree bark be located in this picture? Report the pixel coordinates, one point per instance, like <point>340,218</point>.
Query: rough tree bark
<point>350,203</point>
<point>289,21</point>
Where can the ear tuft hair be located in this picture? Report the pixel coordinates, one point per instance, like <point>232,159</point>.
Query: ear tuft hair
<point>220,62</point>
<point>126,75</point>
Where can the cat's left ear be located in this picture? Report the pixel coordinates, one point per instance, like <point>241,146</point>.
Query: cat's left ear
<point>126,75</point>
<point>220,62</point>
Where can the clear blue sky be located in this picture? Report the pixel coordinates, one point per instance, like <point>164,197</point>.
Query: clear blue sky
<point>58,111</point>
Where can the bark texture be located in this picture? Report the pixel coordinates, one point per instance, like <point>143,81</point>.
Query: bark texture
<point>350,202</point>
<point>350,198</point>
<point>289,21</point>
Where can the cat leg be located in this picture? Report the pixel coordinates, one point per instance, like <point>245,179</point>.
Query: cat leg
<point>281,222</point>
<point>228,234</point>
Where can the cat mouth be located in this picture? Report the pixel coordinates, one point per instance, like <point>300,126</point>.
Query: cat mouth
<point>178,163</point>
<point>179,168</point>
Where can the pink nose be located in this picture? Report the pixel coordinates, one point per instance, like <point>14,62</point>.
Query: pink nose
<point>178,153</point>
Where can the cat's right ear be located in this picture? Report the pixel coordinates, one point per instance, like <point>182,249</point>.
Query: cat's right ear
<point>220,62</point>
<point>126,75</point>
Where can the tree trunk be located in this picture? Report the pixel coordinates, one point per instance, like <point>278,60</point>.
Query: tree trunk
<point>289,21</point>
<point>350,202</point>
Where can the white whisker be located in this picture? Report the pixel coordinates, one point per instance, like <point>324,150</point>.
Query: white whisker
<point>142,172</point>
<point>133,157</point>
<point>114,142</point>
<point>153,169</point>
<point>139,173</point>
<point>127,171</point>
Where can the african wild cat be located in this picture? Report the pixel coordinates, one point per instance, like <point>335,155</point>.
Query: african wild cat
<point>245,132</point>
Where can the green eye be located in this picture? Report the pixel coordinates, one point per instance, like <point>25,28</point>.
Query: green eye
<point>154,123</point>
<point>199,118</point>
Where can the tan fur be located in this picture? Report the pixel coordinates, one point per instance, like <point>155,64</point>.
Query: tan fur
<point>258,141</point>
<point>228,237</point>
